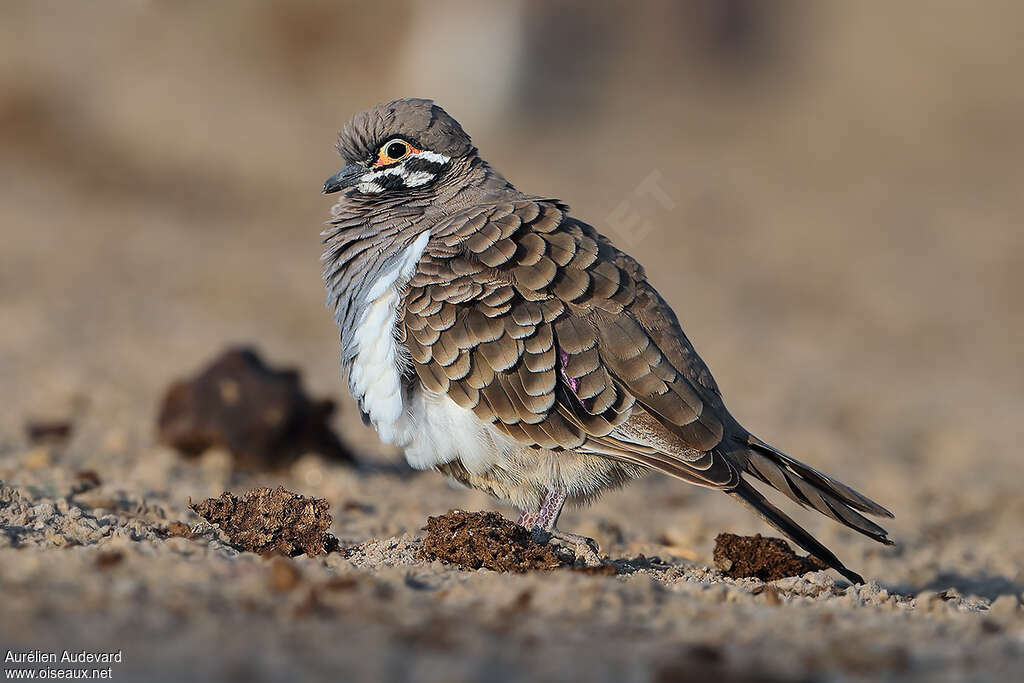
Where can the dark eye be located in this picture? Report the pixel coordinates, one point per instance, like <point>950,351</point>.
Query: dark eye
<point>392,151</point>
<point>397,150</point>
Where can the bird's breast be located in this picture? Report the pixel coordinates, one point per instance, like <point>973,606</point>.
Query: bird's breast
<point>431,428</point>
<point>375,376</point>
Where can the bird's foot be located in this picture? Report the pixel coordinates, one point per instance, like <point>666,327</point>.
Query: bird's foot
<point>584,549</point>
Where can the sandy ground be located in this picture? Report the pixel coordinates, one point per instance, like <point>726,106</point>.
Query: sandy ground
<point>93,570</point>
<point>842,242</point>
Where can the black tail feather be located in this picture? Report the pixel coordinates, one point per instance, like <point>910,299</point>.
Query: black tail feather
<point>847,495</point>
<point>751,497</point>
<point>813,489</point>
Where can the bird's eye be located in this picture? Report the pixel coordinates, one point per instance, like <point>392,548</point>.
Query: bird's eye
<point>397,150</point>
<point>392,151</point>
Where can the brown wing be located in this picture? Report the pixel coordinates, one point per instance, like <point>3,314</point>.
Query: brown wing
<point>535,322</point>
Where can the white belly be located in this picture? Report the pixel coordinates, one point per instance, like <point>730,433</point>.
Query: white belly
<point>432,428</point>
<point>375,377</point>
<point>443,431</point>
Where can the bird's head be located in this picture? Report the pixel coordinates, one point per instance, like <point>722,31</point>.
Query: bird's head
<point>404,146</point>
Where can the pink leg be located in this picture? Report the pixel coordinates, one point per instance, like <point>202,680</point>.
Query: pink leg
<point>527,519</point>
<point>544,521</point>
<point>547,516</point>
<point>550,509</point>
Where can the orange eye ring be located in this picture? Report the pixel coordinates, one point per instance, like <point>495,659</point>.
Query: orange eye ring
<point>394,150</point>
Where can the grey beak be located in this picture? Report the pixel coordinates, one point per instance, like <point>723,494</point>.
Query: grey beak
<point>346,177</point>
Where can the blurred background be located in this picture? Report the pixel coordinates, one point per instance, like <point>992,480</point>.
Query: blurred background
<point>828,193</point>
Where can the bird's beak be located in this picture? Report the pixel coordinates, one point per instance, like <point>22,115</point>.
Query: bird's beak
<point>346,177</point>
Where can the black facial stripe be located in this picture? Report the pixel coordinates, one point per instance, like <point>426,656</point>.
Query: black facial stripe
<point>415,163</point>
<point>391,182</point>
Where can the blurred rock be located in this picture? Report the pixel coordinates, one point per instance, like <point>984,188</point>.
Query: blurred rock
<point>283,575</point>
<point>47,431</point>
<point>37,458</point>
<point>1005,608</point>
<point>262,416</point>
<point>178,529</point>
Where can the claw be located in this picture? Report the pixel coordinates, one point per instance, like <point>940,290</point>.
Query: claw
<point>583,548</point>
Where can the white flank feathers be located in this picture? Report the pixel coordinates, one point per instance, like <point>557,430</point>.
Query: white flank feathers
<point>432,428</point>
<point>376,375</point>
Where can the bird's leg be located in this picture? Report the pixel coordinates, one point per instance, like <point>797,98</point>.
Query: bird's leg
<point>527,518</point>
<point>551,508</point>
<point>547,516</point>
<point>544,529</point>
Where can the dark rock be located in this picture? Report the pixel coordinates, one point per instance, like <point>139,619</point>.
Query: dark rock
<point>109,558</point>
<point>271,522</point>
<point>707,662</point>
<point>48,431</point>
<point>88,478</point>
<point>760,557</point>
<point>85,480</point>
<point>262,416</point>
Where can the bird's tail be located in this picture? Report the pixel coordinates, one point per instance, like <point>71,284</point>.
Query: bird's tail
<point>809,488</point>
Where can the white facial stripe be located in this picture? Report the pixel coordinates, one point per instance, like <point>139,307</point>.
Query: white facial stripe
<point>368,181</point>
<point>418,178</point>
<point>391,170</point>
<point>432,156</point>
<point>376,175</point>
<point>369,187</point>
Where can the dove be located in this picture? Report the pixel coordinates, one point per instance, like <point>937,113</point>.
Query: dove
<point>501,341</point>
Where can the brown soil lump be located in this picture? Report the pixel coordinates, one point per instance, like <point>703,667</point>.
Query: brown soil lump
<point>271,522</point>
<point>760,557</point>
<point>472,540</point>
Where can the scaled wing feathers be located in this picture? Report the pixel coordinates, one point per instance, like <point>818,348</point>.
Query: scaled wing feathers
<point>533,320</point>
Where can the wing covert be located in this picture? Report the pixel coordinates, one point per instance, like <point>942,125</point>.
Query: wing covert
<point>534,321</point>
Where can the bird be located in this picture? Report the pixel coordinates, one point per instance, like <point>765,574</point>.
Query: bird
<point>501,341</point>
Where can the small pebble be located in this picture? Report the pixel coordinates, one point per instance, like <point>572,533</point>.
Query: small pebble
<point>1005,608</point>
<point>284,575</point>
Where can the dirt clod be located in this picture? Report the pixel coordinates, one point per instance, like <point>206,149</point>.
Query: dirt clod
<point>283,576</point>
<point>262,416</point>
<point>47,431</point>
<point>178,529</point>
<point>760,557</point>
<point>472,540</point>
<point>269,522</point>
<point>341,583</point>
<point>88,479</point>
<point>109,558</point>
